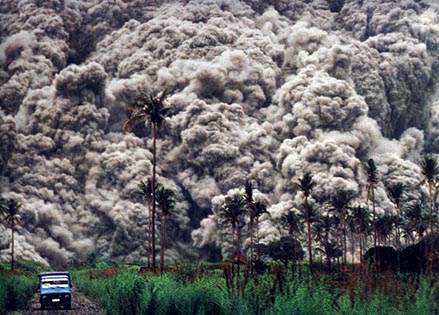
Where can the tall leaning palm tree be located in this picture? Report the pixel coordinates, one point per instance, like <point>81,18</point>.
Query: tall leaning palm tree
<point>166,203</point>
<point>150,108</point>
<point>9,213</point>
<point>306,184</point>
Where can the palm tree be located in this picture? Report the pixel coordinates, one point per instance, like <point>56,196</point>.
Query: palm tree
<point>306,184</point>
<point>166,202</point>
<point>292,221</point>
<point>9,213</point>
<point>415,222</point>
<point>384,226</point>
<point>339,204</point>
<point>309,216</point>
<point>360,223</point>
<point>372,180</point>
<point>248,196</point>
<point>260,207</point>
<point>151,108</point>
<point>145,191</point>
<point>233,211</point>
<point>430,171</point>
<point>323,231</point>
<point>395,192</point>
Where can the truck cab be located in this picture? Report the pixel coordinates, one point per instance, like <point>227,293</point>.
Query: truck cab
<point>55,289</point>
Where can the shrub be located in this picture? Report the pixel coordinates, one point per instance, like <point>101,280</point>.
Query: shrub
<point>15,291</point>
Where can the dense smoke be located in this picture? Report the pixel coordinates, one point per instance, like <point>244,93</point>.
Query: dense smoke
<point>261,90</point>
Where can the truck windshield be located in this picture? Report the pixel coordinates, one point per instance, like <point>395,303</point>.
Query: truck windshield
<point>54,282</point>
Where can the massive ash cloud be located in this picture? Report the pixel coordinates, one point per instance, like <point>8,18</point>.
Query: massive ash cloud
<point>262,90</point>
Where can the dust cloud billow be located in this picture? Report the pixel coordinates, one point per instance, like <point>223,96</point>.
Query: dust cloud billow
<point>261,90</point>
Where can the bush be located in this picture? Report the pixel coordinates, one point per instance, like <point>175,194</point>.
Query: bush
<point>129,292</point>
<point>15,291</point>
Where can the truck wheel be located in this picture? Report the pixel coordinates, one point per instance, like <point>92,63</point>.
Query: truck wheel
<point>68,306</point>
<point>43,306</point>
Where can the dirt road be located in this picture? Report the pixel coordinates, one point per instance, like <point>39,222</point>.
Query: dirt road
<point>80,306</point>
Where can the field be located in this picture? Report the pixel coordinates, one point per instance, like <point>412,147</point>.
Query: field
<point>195,290</point>
<point>213,289</point>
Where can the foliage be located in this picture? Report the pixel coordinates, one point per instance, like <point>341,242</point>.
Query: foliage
<point>15,291</point>
<point>132,293</point>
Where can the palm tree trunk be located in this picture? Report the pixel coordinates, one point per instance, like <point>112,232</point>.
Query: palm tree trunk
<point>398,238</point>
<point>162,245</point>
<point>374,227</point>
<point>12,246</point>
<point>309,244</point>
<point>149,235</point>
<point>251,243</point>
<point>258,253</point>
<point>431,254</point>
<point>154,136</point>
<point>345,247</point>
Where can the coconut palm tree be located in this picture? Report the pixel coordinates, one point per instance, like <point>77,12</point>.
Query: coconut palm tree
<point>430,171</point>
<point>291,221</point>
<point>339,204</point>
<point>145,191</point>
<point>306,184</point>
<point>360,224</point>
<point>260,207</point>
<point>248,196</point>
<point>324,233</point>
<point>309,216</point>
<point>395,191</point>
<point>9,214</point>
<point>233,210</point>
<point>151,108</point>
<point>166,203</point>
<point>372,180</point>
<point>415,222</point>
<point>384,226</point>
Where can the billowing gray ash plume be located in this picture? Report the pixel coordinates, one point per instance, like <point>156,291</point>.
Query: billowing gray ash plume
<point>262,90</point>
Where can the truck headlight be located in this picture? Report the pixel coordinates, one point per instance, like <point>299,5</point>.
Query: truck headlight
<point>67,296</point>
<point>44,296</point>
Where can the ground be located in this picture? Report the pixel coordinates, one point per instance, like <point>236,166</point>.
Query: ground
<point>80,306</point>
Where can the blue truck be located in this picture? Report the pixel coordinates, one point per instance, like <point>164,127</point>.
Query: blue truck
<point>55,289</point>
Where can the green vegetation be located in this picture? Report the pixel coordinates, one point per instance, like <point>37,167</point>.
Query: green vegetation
<point>15,291</point>
<point>18,286</point>
<point>129,292</point>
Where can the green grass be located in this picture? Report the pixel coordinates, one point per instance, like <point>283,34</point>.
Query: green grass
<point>16,291</point>
<point>131,293</point>
<point>180,292</point>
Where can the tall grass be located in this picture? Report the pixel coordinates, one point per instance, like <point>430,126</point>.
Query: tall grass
<point>15,291</point>
<point>130,293</point>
